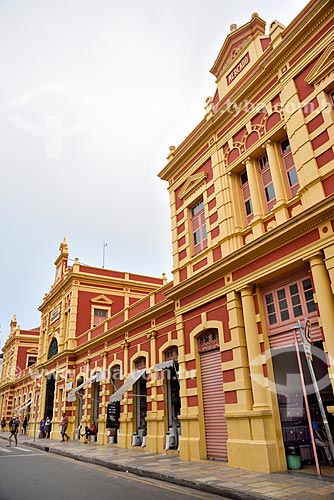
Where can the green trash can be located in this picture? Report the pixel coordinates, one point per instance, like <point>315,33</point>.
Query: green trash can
<point>294,462</point>
<point>293,458</point>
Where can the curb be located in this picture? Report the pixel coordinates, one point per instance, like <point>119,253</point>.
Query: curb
<point>160,476</point>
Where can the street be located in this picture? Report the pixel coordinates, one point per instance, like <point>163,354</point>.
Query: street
<point>29,474</point>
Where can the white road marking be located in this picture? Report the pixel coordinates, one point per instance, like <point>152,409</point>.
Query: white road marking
<point>5,450</point>
<point>21,455</point>
<point>22,449</point>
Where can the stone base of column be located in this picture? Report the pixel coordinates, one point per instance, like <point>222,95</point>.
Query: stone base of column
<point>253,443</point>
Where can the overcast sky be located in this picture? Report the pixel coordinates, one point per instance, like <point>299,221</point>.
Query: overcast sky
<point>92,94</point>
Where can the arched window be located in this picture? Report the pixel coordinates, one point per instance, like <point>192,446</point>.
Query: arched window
<point>53,349</point>
<point>208,340</point>
<point>115,378</point>
<point>140,363</point>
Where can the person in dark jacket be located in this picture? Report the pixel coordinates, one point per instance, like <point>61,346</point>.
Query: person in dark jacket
<point>13,431</point>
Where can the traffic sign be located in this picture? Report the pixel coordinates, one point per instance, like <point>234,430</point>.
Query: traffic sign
<point>307,331</point>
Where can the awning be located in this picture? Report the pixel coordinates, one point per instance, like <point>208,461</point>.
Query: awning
<point>164,365</point>
<point>81,386</point>
<point>132,379</point>
<point>23,405</point>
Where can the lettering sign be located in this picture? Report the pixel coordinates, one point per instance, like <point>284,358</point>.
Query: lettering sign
<point>238,69</point>
<point>113,413</point>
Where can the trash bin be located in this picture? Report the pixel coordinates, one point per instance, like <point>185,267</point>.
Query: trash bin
<point>293,457</point>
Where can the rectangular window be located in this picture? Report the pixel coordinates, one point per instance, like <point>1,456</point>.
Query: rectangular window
<point>31,360</point>
<point>289,303</point>
<point>246,196</point>
<point>99,316</point>
<point>267,182</point>
<point>289,166</point>
<point>198,227</point>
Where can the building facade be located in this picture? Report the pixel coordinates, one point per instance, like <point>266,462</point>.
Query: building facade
<point>205,366</point>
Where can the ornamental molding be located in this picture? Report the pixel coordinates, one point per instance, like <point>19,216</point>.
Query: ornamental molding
<point>193,183</point>
<point>234,54</point>
<point>323,67</point>
<point>102,299</point>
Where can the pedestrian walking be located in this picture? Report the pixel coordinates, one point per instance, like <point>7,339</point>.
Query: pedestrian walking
<point>13,432</point>
<point>47,427</point>
<point>25,425</point>
<point>64,424</point>
<point>42,428</point>
<point>3,424</point>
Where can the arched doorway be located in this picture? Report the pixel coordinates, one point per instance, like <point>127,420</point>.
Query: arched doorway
<point>173,398</point>
<point>140,399</point>
<point>96,402</point>
<point>80,394</point>
<point>213,395</point>
<point>113,413</point>
<point>50,394</point>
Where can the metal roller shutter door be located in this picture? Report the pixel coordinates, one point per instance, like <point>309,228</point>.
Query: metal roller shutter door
<point>214,405</point>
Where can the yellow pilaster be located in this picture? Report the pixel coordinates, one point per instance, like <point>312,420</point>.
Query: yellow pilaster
<point>152,439</point>
<point>325,300</point>
<point>102,437</point>
<point>278,182</point>
<point>256,197</point>
<point>260,397</point>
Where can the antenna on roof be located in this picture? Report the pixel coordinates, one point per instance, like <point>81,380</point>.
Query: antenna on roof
<point>104,252</point>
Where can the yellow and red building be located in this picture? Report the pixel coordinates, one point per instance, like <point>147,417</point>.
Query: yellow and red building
<point>206,365</point>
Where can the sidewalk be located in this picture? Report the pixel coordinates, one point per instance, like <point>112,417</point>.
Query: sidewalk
<point>207,476</point>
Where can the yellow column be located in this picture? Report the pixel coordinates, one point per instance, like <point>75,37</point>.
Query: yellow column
<point>237,329</point>
<point>125,420</point>
<point>256,197</point>
<point>102,435</point>
<point>260,398</point>
<point>276,172</point>
<point>325,300</point>
<point>41,346</point>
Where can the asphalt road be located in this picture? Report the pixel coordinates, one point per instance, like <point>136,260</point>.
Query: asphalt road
<point>30,474</point>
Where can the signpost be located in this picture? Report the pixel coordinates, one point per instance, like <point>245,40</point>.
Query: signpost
<point>305,333</point>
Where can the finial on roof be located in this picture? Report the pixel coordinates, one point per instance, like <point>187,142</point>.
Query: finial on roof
<point>255,14</point>
<point>233,27</point>
<point>63,247</point>
<point>171,152</point>
<point>13,323</point>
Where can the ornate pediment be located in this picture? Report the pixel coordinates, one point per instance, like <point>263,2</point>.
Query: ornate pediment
<point>192,184</point>
<point>102,299</point>
<point>323,68</point>
<point>236,41</point>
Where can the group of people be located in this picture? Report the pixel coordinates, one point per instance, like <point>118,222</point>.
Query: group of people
<point>45,428</point>
<point>24,424</point>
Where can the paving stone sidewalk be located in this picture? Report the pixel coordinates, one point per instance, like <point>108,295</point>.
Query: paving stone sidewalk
<point>211,477</point>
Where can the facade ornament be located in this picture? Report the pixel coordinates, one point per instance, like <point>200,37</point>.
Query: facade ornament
<point>125,344</point>
<point>152,334</point>
<point>171,152</point>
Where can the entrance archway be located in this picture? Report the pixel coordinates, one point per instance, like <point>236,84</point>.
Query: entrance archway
<point>50,394</point>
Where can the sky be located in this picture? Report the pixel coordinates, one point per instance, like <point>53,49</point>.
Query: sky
<point>92,94</point>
